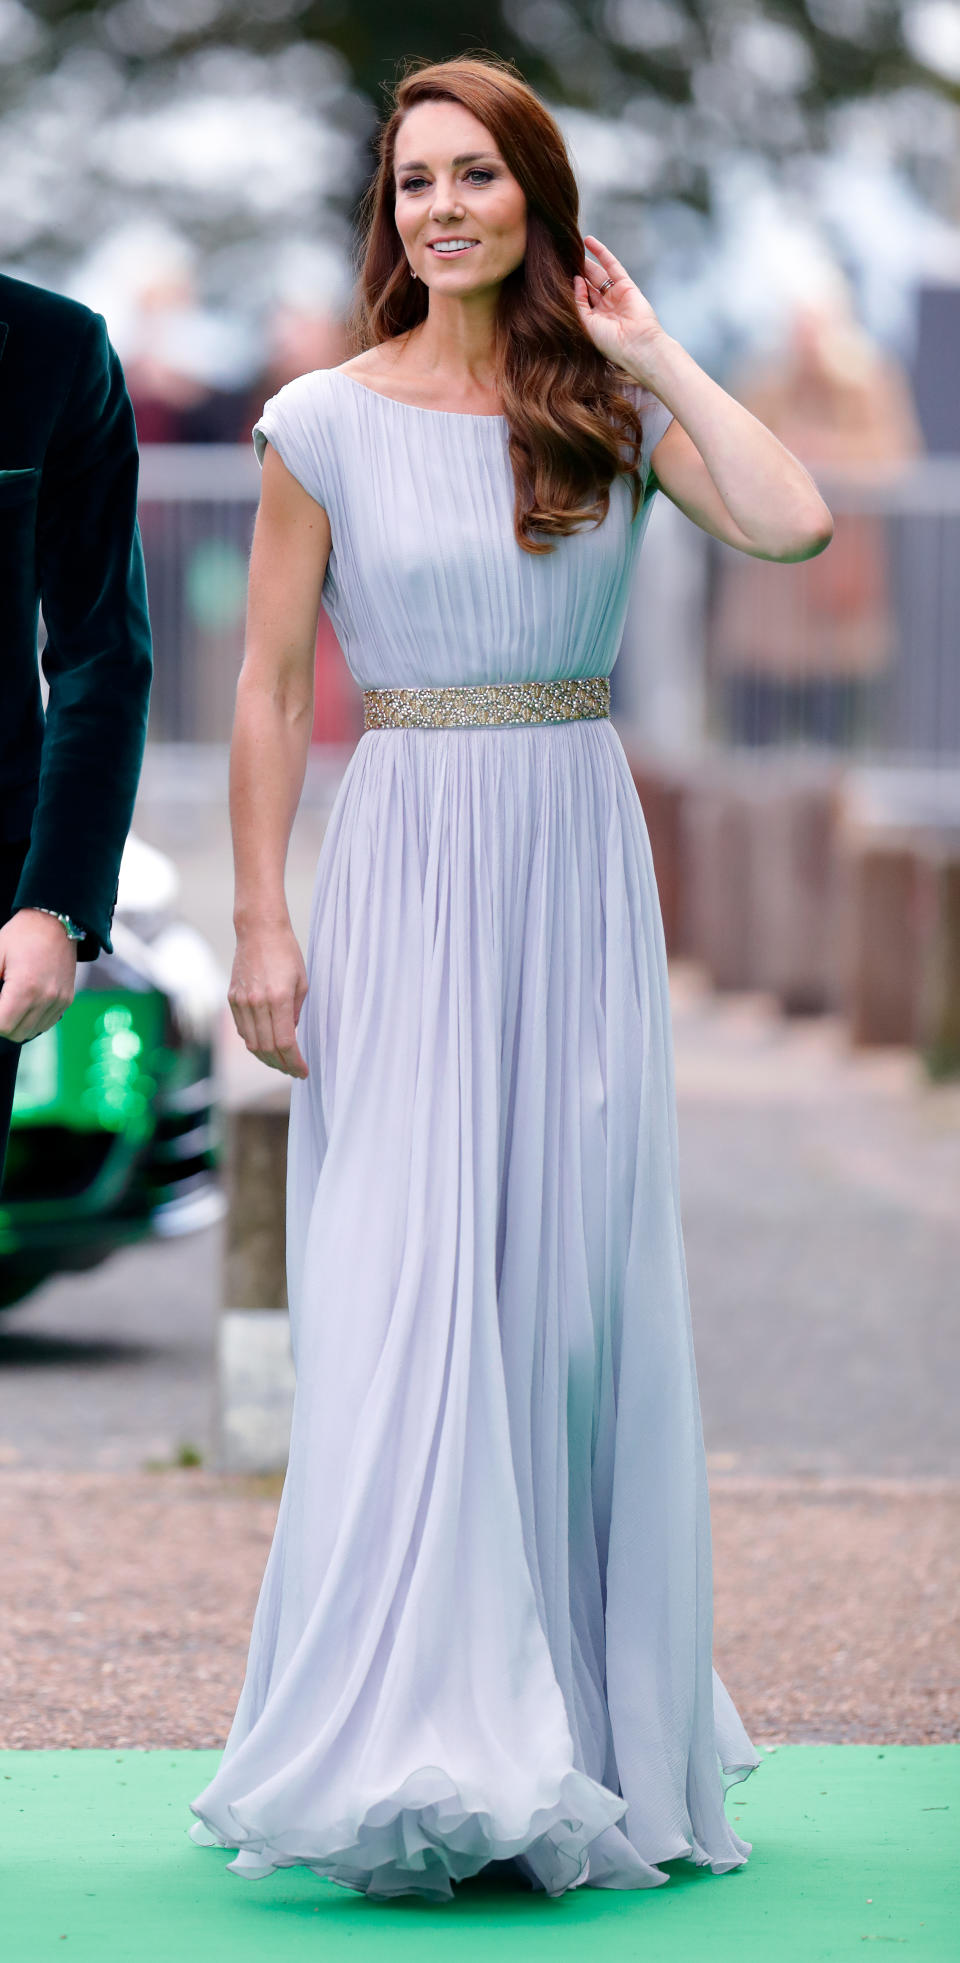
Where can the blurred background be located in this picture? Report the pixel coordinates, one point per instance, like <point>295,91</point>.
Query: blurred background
<point>783,182</point>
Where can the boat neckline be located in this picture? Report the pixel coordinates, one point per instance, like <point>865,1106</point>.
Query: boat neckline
<point>455,415</point>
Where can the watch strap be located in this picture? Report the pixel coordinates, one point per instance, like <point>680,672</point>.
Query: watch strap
<point>72,931</point>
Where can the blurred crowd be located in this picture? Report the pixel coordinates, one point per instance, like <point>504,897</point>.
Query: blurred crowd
<point>175,403</point>
<point>812,669</point>
<point>196,377</point>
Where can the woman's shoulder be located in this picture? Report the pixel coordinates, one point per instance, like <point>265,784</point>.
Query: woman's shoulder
<point>303,392</point>
<point>372,364</point>
<point>318,397</point>
<point>300,420</point>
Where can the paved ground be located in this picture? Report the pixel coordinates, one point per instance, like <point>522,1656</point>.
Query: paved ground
<point>821,1207</point>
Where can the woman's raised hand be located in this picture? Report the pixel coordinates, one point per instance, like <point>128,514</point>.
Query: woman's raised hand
<point>267,991</point>
<point>620,320</point>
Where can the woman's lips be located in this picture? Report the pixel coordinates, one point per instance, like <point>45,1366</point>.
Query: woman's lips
<point>459,254</point>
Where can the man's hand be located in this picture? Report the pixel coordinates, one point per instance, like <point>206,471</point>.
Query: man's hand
<point>38,974</point>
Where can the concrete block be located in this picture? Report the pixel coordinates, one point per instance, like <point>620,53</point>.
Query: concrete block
<point>255,1378</point>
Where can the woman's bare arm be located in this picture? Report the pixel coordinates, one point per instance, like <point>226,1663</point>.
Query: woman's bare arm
<point>723,468</point>
<point>268,758</point>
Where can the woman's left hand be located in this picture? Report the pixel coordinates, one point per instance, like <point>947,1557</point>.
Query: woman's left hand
<point>620,320</point>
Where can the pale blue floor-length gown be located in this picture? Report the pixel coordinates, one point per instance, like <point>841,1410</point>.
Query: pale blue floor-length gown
<point>484,1630</point>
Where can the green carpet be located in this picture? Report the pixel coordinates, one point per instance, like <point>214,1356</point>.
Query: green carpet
<point>853,1844</point>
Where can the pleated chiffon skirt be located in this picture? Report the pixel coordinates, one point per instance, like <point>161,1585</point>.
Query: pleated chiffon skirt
<point>484,1630</point>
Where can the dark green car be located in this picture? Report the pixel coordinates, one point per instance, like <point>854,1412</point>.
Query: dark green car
<point>115,1133</point>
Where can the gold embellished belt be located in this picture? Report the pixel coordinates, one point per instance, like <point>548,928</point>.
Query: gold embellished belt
<point>487,702</point>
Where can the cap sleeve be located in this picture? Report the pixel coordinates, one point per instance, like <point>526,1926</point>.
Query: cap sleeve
<point>292,422</point>
<point>655,419</point>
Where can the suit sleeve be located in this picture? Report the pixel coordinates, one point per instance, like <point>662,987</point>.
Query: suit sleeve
<point>98,655</point>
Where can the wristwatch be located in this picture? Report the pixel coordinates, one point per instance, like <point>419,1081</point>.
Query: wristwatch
<point>70,928</point>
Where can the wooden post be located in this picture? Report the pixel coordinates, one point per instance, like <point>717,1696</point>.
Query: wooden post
<point>255,1275</point>
<point>717,924</point>
<point>883,944</point>
<point>939,1013</point>
<point>793,885</point>
<point>255,1367</point>
<point>661,791</point>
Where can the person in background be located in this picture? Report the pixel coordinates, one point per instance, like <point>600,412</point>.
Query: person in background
<point>69,542</point>
<point>805,662</point>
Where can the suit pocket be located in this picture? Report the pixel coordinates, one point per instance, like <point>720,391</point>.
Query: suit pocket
<point>17,486</point>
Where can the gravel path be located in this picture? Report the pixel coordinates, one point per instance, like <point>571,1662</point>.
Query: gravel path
<point>126,1606</point>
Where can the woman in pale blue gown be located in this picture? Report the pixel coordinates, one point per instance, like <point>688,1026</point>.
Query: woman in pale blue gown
<point>484,1632</point>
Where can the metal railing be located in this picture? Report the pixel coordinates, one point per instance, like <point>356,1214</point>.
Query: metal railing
<point>856,651</point>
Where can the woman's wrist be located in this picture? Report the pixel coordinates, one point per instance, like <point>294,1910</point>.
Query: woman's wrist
<point>650,361</point>
<point>261,917</point>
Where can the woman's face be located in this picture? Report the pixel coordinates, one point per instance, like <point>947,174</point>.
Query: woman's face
<point>451,182</point>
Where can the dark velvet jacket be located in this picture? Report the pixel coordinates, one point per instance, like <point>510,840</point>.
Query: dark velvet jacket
<point>69,541</point>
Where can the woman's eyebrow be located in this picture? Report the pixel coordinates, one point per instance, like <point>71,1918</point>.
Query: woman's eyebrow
<point>469,157</point>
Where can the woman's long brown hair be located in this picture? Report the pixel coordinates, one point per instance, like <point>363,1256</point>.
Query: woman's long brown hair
<point>568,418</point>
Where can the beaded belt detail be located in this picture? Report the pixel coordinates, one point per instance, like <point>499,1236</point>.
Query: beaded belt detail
<point>487,702</point>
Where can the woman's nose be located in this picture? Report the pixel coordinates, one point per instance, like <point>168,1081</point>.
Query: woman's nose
<point>447,204</point>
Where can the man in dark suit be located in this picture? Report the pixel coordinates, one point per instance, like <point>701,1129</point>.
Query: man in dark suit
<point>69,541</point>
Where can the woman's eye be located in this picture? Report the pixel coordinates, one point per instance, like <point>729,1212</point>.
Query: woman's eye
<point>410,183</point>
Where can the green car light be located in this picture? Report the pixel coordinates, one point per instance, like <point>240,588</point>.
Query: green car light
<point>97,1068</point>
<point>117,1090</point>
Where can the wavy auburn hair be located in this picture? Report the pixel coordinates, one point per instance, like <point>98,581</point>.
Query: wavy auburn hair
<point>568,418</point>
